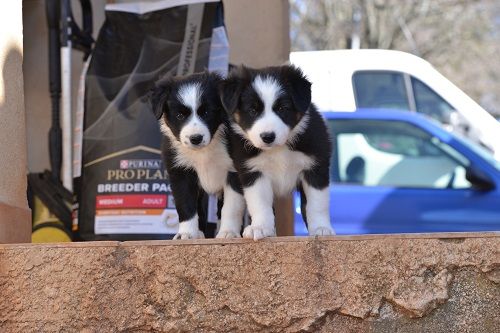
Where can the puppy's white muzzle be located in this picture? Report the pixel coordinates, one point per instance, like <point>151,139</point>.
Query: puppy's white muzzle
<point>195,134</point>
<point>268,131</point>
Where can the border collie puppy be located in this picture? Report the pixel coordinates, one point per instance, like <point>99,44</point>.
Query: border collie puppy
<point>278,141</point>
<point>195,153</point>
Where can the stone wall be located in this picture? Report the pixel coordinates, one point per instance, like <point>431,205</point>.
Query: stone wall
<point>414,283</point>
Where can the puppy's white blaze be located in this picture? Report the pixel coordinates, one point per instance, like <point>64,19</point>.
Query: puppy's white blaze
<point>194,126</point>
<point>282,167</point>
<point>259,199</point>
<point>189,229</point>
<point>189,94</point>
<point>318,210</point>
<point>232,211</point>
<point>269,90</point>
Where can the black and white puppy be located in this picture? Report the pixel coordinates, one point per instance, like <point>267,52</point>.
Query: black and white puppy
<point>195,153</point>
<point>278,141</point>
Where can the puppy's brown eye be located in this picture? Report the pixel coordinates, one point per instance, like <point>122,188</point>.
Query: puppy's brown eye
<point>252,111</point>
<point>202,112</point>
<point>281,107</point>
<point>179,116</point>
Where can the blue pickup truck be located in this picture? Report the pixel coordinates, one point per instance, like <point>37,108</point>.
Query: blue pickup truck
<point>399,172</point>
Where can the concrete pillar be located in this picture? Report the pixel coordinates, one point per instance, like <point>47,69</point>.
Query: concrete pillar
<point>258,32</point>
<point>15,216</point>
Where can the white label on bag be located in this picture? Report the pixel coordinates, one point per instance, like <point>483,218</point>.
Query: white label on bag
<point>187,59</point>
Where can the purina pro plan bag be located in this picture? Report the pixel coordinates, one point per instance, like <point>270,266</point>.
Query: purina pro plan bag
<point>121,183</point>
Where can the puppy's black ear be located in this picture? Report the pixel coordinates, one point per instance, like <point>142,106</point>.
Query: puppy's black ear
<point>213,78</point>
<point>299,86</point>
<point>229,93</point>
<point>158,96</point>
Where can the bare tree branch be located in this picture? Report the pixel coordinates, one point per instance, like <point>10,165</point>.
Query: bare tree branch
<point>459,37</point>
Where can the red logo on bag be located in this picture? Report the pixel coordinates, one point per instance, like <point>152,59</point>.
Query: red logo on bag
<point>124,164</point>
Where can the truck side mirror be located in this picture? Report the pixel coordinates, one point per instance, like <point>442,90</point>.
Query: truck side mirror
<point>478,179</point>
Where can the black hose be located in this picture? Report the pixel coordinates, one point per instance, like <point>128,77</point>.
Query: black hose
<point>55,133</point>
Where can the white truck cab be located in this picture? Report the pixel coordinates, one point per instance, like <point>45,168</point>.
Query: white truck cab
<point>346,80</point>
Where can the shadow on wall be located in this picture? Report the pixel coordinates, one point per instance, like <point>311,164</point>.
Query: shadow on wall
<point>12,130</point>
<point>12,79</point>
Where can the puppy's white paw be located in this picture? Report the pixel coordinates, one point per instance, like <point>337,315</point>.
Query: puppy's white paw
<point>257,233</point>
<point>228,234</point>
<point>322,231</point>
<point>189,235</point>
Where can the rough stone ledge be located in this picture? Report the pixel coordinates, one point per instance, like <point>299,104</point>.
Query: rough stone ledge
<point>376,283</point>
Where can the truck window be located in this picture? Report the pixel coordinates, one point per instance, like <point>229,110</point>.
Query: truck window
<point>428,102</point>
<point>380,89</point>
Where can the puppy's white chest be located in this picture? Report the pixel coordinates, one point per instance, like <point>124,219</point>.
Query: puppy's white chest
<point>211,164</point>
<point>282,166</point>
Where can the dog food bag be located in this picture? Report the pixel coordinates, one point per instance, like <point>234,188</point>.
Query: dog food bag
<point>122,187</point>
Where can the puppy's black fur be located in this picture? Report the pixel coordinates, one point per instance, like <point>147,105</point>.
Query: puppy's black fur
<point>298,128</point>
<point>194,125</point>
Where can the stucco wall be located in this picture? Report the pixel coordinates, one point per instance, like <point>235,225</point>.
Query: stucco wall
<point>414,283</point>
<point>14,213</point>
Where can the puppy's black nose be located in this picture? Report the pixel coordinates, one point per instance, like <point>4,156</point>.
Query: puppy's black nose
<point>268,137</point>
<point>196,139</point>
